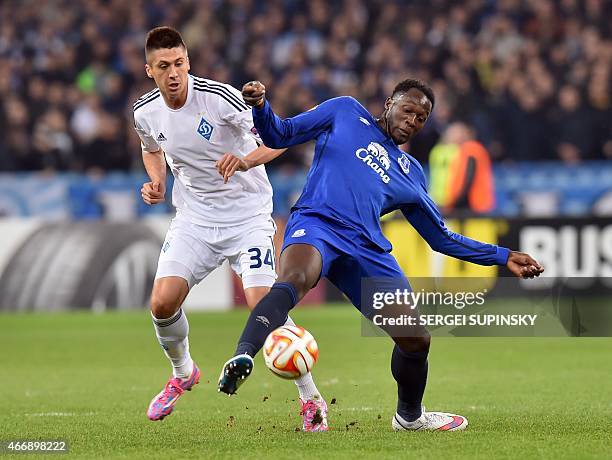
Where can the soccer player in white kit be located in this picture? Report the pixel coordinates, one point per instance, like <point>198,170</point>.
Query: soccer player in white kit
<point>191,123</point>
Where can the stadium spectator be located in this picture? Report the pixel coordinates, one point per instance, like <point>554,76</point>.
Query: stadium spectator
<point>574,127</point>
<point>461,178</point>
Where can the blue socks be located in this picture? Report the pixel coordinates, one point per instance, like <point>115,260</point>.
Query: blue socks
<point>271,312</point>
<point>410,373</point>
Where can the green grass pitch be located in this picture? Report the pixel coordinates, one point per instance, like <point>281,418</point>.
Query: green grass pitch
<point>88,379</point>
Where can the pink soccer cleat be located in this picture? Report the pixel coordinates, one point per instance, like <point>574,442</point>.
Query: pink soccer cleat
<point>314,413</point>
<point>163,404</point>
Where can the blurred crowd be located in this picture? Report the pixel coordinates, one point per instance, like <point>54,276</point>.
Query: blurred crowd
<point>532,78</point>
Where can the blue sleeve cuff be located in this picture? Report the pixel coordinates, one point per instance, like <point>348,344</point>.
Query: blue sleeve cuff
<point>501,258</point>
<point>263,107</point>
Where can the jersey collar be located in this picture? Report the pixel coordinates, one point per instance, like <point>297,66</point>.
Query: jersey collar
<point>374,122</point>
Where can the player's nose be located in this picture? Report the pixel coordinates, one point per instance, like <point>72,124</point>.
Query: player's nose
<point>411,120</point>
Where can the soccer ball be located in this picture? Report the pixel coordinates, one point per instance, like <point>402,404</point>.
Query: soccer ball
<point>290,352</point>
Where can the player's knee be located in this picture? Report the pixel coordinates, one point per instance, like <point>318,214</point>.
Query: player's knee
<point>299,281</point>
<point>163,306</point>
<point>254,295</point>
<point>424,342</point>
<point>414,344</point>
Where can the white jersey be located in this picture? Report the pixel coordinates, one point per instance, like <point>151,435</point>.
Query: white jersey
<point>213,121</point>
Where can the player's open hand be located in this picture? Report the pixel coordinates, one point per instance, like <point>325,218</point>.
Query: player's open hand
<point>229,164</point>
<point>153,192</point>
<point>523,265</point>
<point>254,94</point>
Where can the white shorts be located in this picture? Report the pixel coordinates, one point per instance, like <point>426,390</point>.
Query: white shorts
<point>192,251</point>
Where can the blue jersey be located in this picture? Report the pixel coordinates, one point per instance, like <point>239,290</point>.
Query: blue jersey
<point>358,174</point>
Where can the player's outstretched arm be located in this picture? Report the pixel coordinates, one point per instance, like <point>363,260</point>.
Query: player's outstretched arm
<point>278,133</point>
<point>426,219</point>
<point>230,163</point>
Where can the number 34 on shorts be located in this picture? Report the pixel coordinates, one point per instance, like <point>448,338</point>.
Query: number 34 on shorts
<point>258,260</point>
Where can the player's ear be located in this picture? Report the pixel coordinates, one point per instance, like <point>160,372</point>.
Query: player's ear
<point>148,71</point>
<point>187,61</point>
<point>388,103</point>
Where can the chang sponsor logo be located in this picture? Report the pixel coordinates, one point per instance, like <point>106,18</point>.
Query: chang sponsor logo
<point>377,158</point>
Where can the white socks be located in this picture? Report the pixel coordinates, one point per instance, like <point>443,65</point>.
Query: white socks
<point>172,334</point>
<point>306,386</point>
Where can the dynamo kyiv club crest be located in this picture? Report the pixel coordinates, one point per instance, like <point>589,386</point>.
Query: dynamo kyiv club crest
<point>205,129</point>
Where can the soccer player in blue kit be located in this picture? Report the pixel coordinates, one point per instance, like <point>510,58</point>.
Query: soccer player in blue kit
<point>357,175</point>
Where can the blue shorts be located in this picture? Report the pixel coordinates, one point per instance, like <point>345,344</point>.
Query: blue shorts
<point>351,262</point>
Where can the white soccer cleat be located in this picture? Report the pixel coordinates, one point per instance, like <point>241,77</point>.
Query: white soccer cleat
<point>431,421</point>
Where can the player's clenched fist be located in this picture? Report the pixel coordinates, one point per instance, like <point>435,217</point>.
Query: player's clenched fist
<point>254,94</point>
<point>153,192</point>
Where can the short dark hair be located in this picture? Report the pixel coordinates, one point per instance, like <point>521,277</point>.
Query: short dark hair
<point>409,83</point>
<point>163,37</point>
